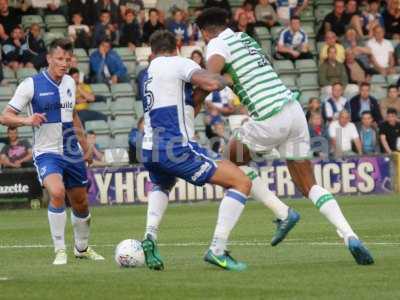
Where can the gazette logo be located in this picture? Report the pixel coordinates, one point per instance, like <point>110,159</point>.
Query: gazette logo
<point>17,188</point>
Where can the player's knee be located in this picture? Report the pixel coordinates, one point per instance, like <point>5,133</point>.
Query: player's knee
<point>243,184</point>
<point>58,194</point>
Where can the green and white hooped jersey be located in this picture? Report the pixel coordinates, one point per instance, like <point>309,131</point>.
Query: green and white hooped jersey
<point>255,81</point>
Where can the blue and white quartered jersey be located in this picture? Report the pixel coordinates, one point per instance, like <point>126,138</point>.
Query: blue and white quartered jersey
<point>41,94</point>
<point>168,103</point>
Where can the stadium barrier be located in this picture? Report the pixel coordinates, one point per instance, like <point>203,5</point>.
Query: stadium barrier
<point>19,188</point>
<point>347,176</point>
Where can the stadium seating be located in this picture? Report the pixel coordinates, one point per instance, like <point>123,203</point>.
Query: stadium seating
<point>28,20</point>
<point>101,89</point>
<point>9,75</point>
<point>55,21</point>
<point>142,54</point>
<point>306,66</point>
<point>122,124</point>
<point>122,90</point>
<point>103,141</point>
<point>186,51</point>
<point>6,92</point>
<point>81,55</point>
<point>99,127</point>
<point>284,67</point>
<point>123,106</point>
<point>50,36</point>
<point>308,81</point>
<point>125,53</point>
<point>25,73</point>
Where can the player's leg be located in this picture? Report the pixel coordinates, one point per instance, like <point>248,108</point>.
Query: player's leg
<point>57,215</point>
<point>50,174</point>
<point>76,189</point>
<point>239,153</point>
<point>302,173</point>
<point>238,187</point>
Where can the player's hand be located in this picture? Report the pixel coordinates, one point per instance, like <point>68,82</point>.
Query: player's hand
<point>36,119</point>
<point>228,79</point>
<point>88,156</point>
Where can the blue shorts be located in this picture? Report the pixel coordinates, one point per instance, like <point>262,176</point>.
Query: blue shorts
<point>192,163</point>
<point>73,171</point>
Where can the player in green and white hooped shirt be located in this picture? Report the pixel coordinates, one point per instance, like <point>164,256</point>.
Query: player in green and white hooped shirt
<point>276,121</point>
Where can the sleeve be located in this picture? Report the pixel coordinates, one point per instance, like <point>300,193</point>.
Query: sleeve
<point>4,150</point>
<point>186,69</point>
<point>281,40</point>
<point>382,129</point>
<point>26,144</point>
<point>23,95</point>
<point>390,46</point>
<point>332,130</point>
<point>209,97</point>
<point>328,110</point>
<point>218,47</point>
<point>354,132</point>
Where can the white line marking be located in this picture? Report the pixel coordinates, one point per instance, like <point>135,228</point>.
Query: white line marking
<point>3,278</point>
<point>198,244</point>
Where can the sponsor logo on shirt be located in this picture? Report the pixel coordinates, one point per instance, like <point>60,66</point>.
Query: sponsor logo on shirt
<point>57,106</point>
<point>46,94</point>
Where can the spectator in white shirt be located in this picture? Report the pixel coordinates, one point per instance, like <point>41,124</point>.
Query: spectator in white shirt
<point>382,50</point>
<point>79,33</point>
<point>343,133</point>
<point>335,104</point>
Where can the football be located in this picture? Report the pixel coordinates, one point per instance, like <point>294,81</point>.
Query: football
<point>129,254</point>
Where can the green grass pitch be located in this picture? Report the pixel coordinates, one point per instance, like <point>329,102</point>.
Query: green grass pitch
<point>311,264</point>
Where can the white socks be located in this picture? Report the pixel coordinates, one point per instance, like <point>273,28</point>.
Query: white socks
<point>157,205</point>
<point>260,192</point>
<point>328,206</point>
<point>229,212</point>
<point>81,226</point>
<point>57,220</point>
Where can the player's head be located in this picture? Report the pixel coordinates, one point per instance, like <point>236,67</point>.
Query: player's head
<point>59,57</point>
<point>391,116</point>
<point>163,42</point>
<point>212,21</point>
<point>367,119</point>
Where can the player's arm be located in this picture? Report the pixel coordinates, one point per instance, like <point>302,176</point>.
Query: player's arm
<point>357,142</point>
<point>208,81</point>
<point>11,118</point>
<point>385,144</point>
<point>80,134</point>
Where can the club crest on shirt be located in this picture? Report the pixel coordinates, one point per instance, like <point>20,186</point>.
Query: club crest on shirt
<point>69,93</point>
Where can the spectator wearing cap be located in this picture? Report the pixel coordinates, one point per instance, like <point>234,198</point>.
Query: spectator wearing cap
<point>130,31</point>
<point>368,134</point>
<point>265,14</point>
<point>389,132</point>
<point>364,102</point>
<point>152,25</point>
<point>293,41</point>
<point>382,51</point>
<point>17,153</point>
<point>106,66</point>
<point>391,101</point>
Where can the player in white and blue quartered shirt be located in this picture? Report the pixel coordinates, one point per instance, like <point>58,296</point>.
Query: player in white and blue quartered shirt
<point>169,151</point>
<point>49,98</point>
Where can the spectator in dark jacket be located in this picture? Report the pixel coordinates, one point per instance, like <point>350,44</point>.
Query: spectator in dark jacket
<point>106,66</point>
<point>34,53</point>
<point>152,25</point>
<point>364,102</point>
<point>104,29</point>
<point>389,132</point>
<point>130,31</point>
<point>12,49</point>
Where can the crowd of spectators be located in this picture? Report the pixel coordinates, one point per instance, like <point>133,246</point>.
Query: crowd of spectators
<point>356,41</point>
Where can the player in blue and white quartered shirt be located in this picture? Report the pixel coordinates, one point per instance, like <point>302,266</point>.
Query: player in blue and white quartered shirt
<point>169,151</point>
<point>49,98</point>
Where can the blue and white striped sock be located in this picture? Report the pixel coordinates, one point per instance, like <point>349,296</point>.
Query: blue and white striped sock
<point>57,220</point>
<point>229,212</point>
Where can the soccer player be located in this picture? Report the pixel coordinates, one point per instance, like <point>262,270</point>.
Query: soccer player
<point>49,98</point>
<point>276,121</point>
<point>169,152</point>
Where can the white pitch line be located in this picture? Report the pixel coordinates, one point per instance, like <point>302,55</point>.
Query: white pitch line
<point>195,244</point>
<point>3,278</point>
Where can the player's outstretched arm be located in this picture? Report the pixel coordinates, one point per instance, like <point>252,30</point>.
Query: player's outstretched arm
<point>11,118</point>
<point>208,81</point>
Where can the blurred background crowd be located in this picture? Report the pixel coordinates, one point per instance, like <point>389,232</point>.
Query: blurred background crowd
<point>342,59</point>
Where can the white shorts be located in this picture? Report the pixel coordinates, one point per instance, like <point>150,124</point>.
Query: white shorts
<point>287,132</point>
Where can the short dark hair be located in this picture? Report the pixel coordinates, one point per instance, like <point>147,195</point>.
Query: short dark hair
<point>62,43</point>
<point>91,132</point>
<point>391,111</point>
<point>392,86</point>
<point>105,40</point>
<point>294,18</point>
<point>162,41</point>
<point>365,84</point>
<point>213,17</point>
<point>73,71</point>
<point>11,128</point>
<point>153,10</point>
<point>337,83</point>
<point>366,112</point>
<point>105,11</point>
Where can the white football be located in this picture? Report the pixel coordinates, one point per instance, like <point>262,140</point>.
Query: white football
<point>129,254</point>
